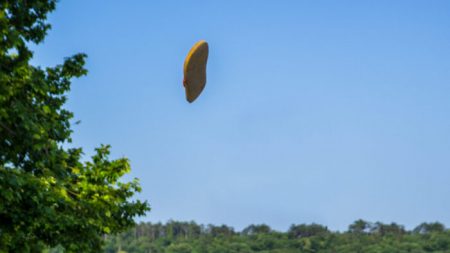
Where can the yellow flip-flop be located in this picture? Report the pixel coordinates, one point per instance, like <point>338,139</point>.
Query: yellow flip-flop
<point>195,70</point>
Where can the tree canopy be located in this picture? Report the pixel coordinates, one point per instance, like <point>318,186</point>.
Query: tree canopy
<point>49,194</point>
<point>361,236</point>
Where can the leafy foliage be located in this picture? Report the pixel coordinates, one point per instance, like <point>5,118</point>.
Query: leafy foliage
<point>49,197</point>
<point>362,236</point>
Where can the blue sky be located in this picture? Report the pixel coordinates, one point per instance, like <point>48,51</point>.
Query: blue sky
<point>314,111</point>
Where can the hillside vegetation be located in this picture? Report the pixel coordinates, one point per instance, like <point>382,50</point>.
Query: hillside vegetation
<point>361,236</point>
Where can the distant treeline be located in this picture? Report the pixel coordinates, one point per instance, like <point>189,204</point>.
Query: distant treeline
<point>361,236</point>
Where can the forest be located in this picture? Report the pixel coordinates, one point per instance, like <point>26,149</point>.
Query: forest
<point>361,236</point>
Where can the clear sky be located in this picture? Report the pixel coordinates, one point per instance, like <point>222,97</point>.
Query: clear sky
<point>314,111</point>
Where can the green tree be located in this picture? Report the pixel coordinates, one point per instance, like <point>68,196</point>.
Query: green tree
<point>48,197</point>
<point>256,229</point>
<point>368,237</point>
<point>426,228</point>
<point>179,248</point>
<point>359,226</point>
<point>304,230</point>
